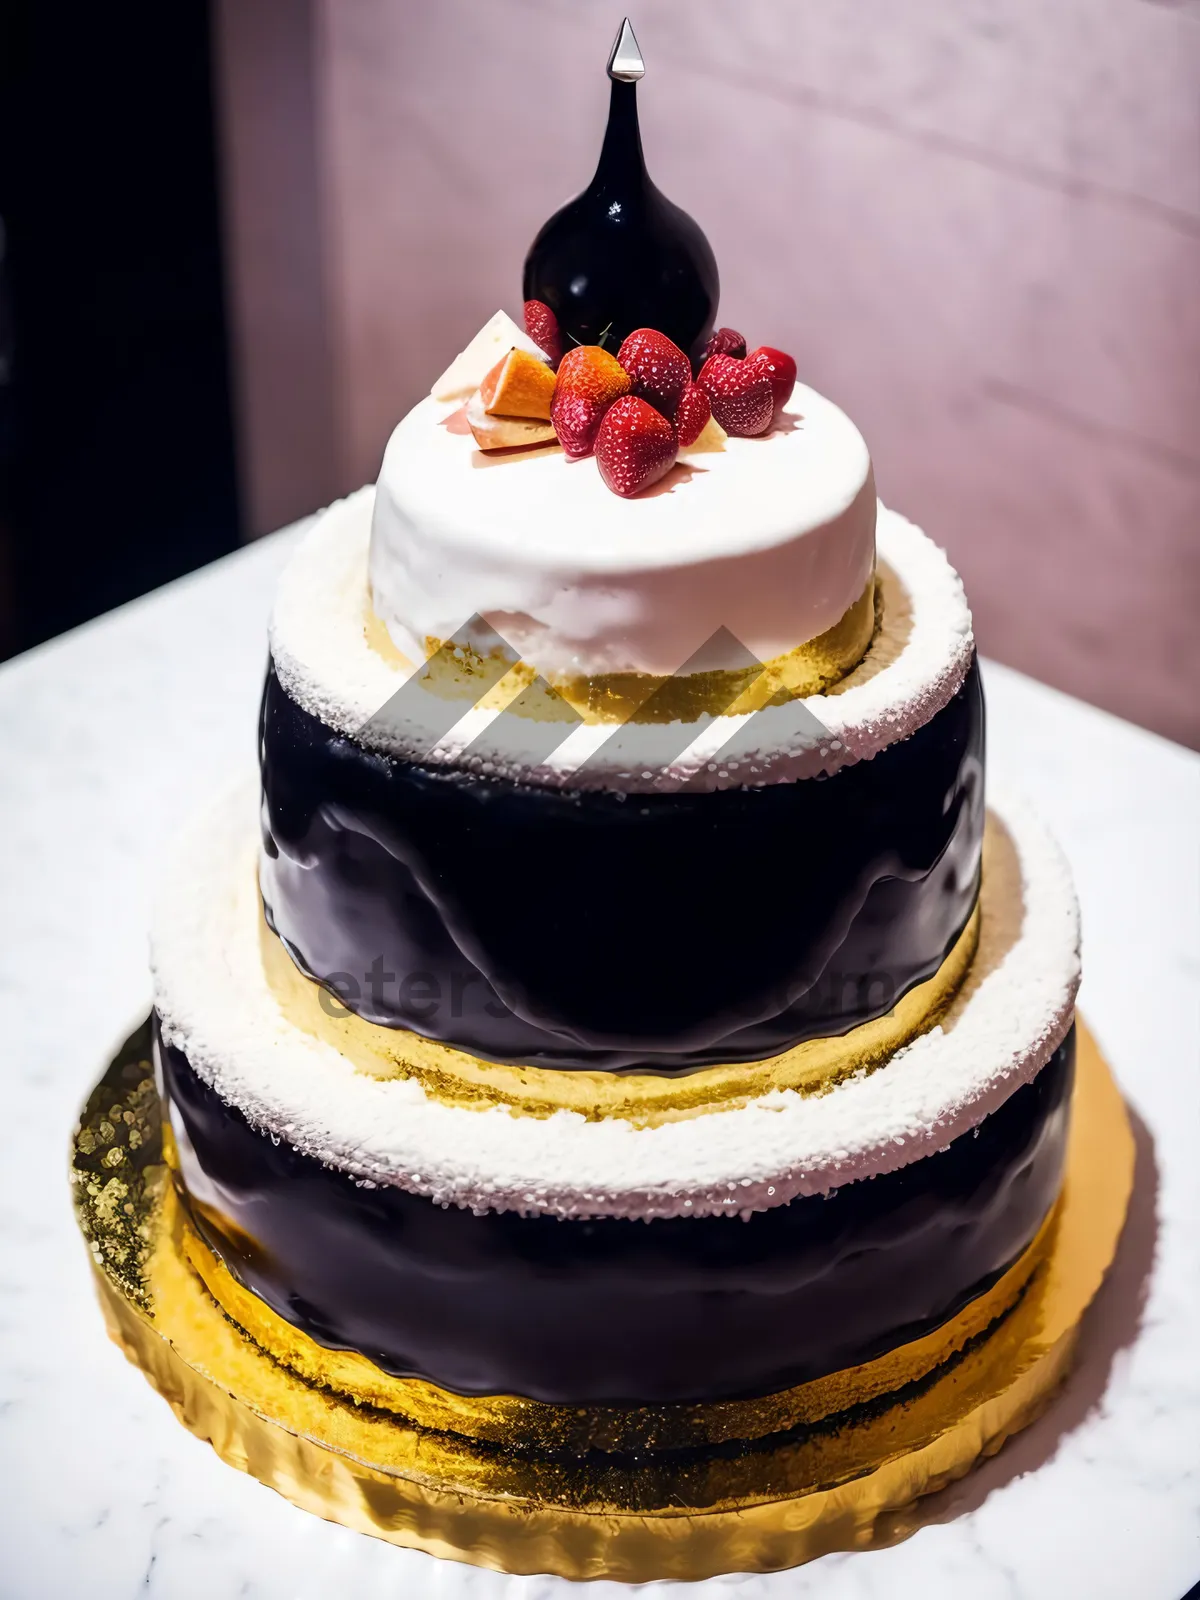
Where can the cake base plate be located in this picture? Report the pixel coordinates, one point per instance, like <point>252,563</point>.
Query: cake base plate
<point>844,1486</point>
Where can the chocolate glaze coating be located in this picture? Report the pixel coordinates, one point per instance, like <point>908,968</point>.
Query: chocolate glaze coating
<point>618,1311</point>
<point>657,932</point>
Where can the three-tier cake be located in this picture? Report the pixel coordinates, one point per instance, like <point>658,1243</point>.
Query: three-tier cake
<point>617,1068</point>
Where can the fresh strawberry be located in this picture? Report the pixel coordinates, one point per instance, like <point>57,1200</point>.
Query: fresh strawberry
<point>635,446</point>
<point>589,380</point>
<point>780,369</point>
<point>692,414</point>
<point>724,342</point>
<point>740,395</point>
<point>658,367</point>
<point>542,327</point>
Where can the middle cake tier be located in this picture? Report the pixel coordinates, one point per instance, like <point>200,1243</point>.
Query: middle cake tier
<point>723,1250</point>
<point>661,898</point>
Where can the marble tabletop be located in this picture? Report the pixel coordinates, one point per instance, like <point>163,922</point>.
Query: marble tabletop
<point>111,734</point>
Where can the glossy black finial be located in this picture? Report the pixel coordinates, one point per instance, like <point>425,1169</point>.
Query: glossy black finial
<point>620,256</point>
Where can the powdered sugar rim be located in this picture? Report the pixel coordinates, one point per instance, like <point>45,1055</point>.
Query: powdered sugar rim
<point>324,662</point>
<point>217,1007</point>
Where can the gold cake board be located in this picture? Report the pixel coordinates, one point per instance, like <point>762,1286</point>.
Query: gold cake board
<point>771,1504</point>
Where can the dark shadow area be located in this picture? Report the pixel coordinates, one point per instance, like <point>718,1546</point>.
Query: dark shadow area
<point>116,441</point>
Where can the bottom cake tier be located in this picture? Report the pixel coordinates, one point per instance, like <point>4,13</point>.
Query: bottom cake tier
<point>835,1465</point>
<point>610,1310</point>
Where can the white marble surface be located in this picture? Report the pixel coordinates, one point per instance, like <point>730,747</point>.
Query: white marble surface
<point>109,734</point>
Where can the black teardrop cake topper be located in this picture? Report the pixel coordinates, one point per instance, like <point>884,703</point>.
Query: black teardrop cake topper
<point>620,255</point>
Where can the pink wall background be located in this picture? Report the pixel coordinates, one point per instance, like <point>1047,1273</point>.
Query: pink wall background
<point>976,226</point>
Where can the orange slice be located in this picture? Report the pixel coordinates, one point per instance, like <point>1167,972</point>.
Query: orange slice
<point>506,433</point>
<point>518,386</point>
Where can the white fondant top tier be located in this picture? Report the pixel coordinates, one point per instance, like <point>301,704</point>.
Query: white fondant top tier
<point>771,538</point>
<point>327,664</point>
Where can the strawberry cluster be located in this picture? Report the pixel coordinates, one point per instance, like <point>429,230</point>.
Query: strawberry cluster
<point>636,410</point>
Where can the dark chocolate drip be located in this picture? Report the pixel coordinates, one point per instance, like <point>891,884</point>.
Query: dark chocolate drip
<point>654,932</point>
<point>617,1311</point>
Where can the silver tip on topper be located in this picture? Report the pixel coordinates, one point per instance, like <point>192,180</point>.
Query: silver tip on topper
<point>625,64</point>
